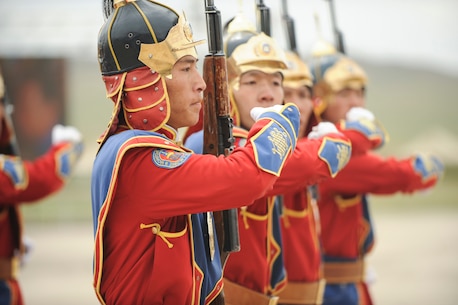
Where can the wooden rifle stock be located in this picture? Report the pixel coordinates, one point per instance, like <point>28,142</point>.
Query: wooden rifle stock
<point>217,127</point>
<point>218,140</point>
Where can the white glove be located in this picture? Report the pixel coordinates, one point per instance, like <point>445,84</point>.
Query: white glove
<point>62,133</point>
<point>28,248</point>
<point>320,130</point>
<point>358,113</point>
<point>257,111</point>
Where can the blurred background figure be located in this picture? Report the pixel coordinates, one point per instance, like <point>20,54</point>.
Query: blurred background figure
<point>27,182</point>
<point>37,88</point>
<point>346,223</point>
<point>412,59</point>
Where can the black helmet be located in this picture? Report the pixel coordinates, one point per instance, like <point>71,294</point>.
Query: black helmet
<point>132,26</point>
<point>138,45</point>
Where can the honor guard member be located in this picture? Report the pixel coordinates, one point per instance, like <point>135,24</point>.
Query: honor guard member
<point>154,241</point>
<point>346,224</point>
<point>26,182</point>
<point>300,217</point>
<point>256,274</point>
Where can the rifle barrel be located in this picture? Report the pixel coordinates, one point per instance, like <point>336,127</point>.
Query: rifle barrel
<point>214,28</point>
<point>337,33</point>
<point>263,17</point>
<point>289,27</point>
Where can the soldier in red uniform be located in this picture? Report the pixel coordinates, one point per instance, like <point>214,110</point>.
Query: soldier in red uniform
<point>256,274</point>
<point>346,225</point>
<point>26,182</point>
<point>154,241</point>
<point>300,217</point>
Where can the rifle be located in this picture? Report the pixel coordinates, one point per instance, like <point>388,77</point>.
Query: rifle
<point>217,129</point>
<point>12,148</point>
<point>292,46</point>
<point>289,27</point>
<point>338,36</point>
<point>263,17</point>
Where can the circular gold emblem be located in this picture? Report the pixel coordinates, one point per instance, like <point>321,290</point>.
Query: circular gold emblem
<point>263,49</point>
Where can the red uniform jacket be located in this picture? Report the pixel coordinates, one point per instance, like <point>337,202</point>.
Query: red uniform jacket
<point>142,203</point>
<point>300,221</point>
<point>347,233</point>
<point>27,182</point>
<point>344,227</point>
<point>260,264</point>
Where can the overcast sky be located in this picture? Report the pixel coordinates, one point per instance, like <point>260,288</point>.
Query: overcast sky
<point>410,32</point>
<point>421,33</point>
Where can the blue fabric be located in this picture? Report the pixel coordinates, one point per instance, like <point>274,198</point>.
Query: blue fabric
<point>369,241</point>
<point>278,268</point>
<point>103,166</point>
<point>5,293</point>
<point>101,177</point>
<point>428,166</point>
<point>68,158</point>
<point>211,268</point>
<point>368,128</point>
<point>335,153</point>
<point>14,168</point>
<point>195,142</point>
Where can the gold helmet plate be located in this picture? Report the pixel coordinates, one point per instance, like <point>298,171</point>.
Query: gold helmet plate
<point>162,56</point>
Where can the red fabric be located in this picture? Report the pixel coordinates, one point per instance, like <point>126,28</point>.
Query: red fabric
<point>360,143</point>
<point>132,255</point>
<point>301,245</point>
<point>304,167</point>
<point>43,179</point>
<point>252,266</point>
<point>300,221</point>
<point>343,225</point>
<point>364,294</point>
<point>15,294</point>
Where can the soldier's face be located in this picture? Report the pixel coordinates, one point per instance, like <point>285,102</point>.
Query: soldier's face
<point>257,89</point>
<point>342,102</point>
<point>302,97</point>
<point>185,93</point>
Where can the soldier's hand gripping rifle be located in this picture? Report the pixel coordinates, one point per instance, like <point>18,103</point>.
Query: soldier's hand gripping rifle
<point>338,36</point>
<point>218,124</point>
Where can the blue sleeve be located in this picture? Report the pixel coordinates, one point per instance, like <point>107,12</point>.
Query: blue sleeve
<point>195,142</point>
